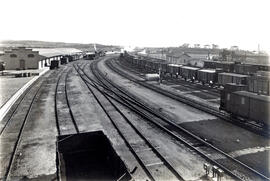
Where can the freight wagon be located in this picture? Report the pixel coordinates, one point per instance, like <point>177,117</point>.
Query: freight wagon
<point>54,64</point>
<point>259,83</point>
<point>142,63</point>
<point>164,68</point>
<point>224,78</point>
<point>189,73</point>
<point>64,60</point>
<point>207,76</point>
<point>210,64</point>
<point>263,67</point>
<point>249,106</point>
<point>245,69</point>
<point>226,66</point>
<point>228,89</point>
<point>174,69</point>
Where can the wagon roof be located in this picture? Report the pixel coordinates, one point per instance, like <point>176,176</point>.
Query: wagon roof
<point>207,70</point>
<point>175,65</point>
<point>190,68</point>
<point>233,74</point>
<point>253,95</point>
<point>225,62</point>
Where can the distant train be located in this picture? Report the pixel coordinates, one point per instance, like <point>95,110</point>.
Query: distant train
<point>213,73</point>
<point>64,60</point>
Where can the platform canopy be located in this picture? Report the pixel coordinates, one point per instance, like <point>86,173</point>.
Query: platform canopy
<point>52,52</point>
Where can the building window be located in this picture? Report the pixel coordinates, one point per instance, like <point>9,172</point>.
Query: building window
<point>13,55</point>
<point>31,55</point>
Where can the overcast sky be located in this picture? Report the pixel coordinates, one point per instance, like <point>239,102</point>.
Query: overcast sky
<point>139,22</point>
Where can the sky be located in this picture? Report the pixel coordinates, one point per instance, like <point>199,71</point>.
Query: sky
<point>154,23</point>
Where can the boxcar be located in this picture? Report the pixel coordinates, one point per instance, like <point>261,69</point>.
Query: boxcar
<point>135,62</point>
<point>250,106</point>
<point>224,78</point>
<point>263,67</point>
<point>259,84</point>
<point>156,66</point>
<point>54,64</point>
<point>189,72</point>
<point>142,63</point>
<point>164,68</point>
<point>245,69</point>
<point>207,76</point>
<point>64,60</point>
<point>148,65</point>
<point>228,89</point>
<point>226,66</point>
<point>210,64</point>
<point>174,69</point>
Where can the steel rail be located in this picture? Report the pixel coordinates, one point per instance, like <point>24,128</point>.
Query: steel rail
<point>206,143</point>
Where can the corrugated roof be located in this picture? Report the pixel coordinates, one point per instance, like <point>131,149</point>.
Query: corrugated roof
<point>51,52</point>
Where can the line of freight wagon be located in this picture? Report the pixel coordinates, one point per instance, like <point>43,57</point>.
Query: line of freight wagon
<point>242,96</point>
<point>70,58</point>
<point>213,73</point>
<point>64,60</point>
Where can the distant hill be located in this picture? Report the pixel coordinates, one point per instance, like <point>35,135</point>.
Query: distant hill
<point>44,44</point>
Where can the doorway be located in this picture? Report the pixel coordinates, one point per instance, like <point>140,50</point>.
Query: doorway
<point>22,64</point>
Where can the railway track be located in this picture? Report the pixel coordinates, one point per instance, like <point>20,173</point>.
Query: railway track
<point>198,105</point>
<point>24,108</point>
<point>6,120</point>
<point>230,165</point>
<point>157,162</point>
<point>65,121</point>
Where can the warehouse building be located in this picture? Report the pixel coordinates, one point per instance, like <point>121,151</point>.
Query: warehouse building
<point>21,58</point>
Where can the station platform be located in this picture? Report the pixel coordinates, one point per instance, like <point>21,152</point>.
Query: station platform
<point>12,87</point>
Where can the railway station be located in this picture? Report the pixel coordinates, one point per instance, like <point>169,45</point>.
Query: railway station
<point>135,90</point>
<point>91,117</point>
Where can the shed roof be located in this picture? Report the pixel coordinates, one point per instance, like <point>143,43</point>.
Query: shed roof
<point>51,52</point>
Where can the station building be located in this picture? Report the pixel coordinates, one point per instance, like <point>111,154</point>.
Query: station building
<point>21,58</point>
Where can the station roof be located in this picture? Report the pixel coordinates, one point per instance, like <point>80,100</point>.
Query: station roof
<point>51,52</point>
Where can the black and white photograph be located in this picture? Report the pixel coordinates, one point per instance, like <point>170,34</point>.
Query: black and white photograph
<point>134,90</point>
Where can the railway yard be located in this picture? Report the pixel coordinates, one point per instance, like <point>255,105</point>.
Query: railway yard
<point>170,129</point>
